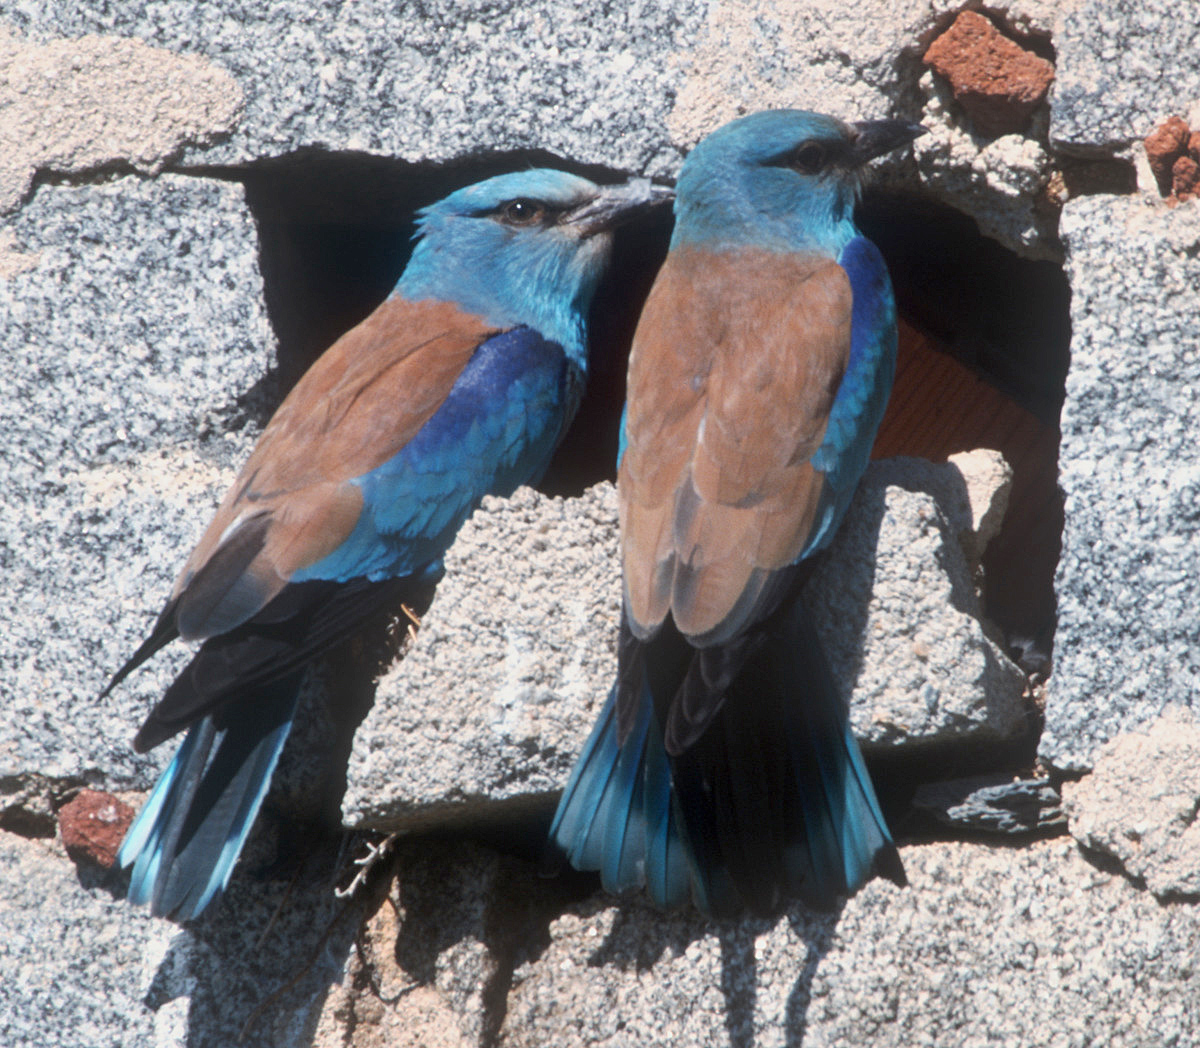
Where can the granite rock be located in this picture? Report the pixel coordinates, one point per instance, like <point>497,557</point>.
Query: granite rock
<point>430,956</point>
<point>1123,66</point>
<point>433,83</point>
<point>896,608</point>
<point>133,356</point>
<point>1139,804</point>
<point>998,182</point>
<point>80,967</point>
<point>1127,620</point>
<point>74,962</point>
<point>511,664</point>
<point>630,87</point>
<point>496,696</point>
<point>70,106</point>
<point>1031,947</point>
<point>996,803</point>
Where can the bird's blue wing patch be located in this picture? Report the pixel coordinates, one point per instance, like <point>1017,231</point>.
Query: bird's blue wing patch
<point>495,430</point>
<point>863,394</point>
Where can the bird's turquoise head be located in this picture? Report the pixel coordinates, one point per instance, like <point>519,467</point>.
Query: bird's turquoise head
<point>782,180</point>
<point>524,248</point>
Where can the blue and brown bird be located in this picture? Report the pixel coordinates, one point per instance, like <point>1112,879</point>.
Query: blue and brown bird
<point>723,768</point>
<point>460,384</point>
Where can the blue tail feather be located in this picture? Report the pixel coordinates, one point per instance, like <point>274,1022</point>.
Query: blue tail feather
<point>616,815</point>
<point>668,866</point>
<point>185,841</point>
<point>773,801</point>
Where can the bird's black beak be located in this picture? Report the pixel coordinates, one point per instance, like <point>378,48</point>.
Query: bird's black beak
<point>616,205</point>
<point>876,137</point>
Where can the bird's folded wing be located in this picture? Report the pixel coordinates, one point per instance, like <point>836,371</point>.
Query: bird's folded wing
<point>293,503</point>
<point>735,368</point>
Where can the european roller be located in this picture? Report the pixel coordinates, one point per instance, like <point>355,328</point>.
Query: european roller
<point>722,768</point>
<point>459,385</point>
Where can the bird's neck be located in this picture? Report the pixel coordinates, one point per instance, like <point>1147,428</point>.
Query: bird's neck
<point>508,297</point>
<point>765,214</point>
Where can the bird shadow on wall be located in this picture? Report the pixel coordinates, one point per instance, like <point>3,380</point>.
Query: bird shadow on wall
<point>749,954</point>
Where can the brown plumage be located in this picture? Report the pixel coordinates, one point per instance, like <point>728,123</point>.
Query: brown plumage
<point>292,504</point>
<point>734,369</point>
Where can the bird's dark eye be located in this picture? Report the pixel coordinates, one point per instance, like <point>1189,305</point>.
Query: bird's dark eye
<point>808,158</point>
<point>522,212</point>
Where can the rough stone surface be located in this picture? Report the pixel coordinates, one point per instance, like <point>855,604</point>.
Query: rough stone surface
<point>999,183</point>
<point>767,54</point>
<point>495,699</point>
<point>80,967</point>
<point>1140,804</point>
<point>1123,66</point>
<point>593,83</point>
<point>92,825</point>
<point>630,86</point>
<point>428,956</point>
<point>1127,619</point>
<point>75,105</point>
<point>131,355</point>
<point>73,967</point>
<point>896,608</point>
<point>997,803</point>
<point>996,81</point>
<point>1031,947</point>
<point>988,482</point>
<point>509,669</point>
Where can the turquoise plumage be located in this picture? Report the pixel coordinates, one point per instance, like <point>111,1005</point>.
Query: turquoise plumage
<point>723,768</point>
<point>461,384</point>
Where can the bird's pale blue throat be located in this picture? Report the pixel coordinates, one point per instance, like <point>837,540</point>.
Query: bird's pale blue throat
<point>524,248</point>
<point>783,180</point>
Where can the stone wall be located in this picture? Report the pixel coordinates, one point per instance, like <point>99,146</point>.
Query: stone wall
<point>153,149</point>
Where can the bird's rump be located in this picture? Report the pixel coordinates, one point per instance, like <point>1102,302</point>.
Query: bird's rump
<point>717,487</point>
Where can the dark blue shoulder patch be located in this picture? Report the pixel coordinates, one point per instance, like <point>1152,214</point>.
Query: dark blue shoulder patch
<point>873,309</point>
<point>490,374</point>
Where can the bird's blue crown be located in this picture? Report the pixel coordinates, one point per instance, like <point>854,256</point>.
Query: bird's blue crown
<point>780,180</point>
<point>495,249</point>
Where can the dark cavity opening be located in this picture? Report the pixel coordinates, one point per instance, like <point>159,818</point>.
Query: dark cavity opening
<point>983,361</point>
<point>336,232</point>
<point>984,341</point>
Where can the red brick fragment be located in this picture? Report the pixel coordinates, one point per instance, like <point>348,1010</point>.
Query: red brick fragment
<point>1164,145</point>
<point>1185,178</point>
<point>997,82</point>
<point>92,826</point>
